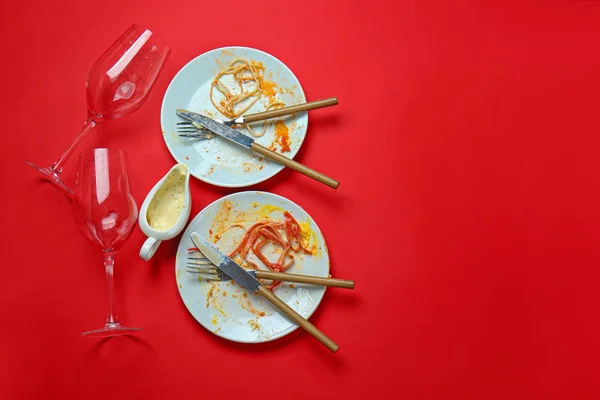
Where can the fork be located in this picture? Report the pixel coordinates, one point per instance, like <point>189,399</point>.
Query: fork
<point>203,267</point>
<point>194,130</point>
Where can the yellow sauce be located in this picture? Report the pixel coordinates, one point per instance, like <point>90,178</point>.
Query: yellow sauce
<point>309,239</point>
<point>167,204</point>
<point>267,210</point>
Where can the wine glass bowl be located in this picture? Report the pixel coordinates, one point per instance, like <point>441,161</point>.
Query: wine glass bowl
<point>103,205</point>
<point>106,213</point>
<point>121,79</point>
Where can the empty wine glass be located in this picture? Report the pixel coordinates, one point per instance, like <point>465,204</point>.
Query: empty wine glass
<point>118,84</point>
<point>106,214</point>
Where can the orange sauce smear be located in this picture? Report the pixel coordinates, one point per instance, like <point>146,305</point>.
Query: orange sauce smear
<point>268,87</point>
<point>282,136</point>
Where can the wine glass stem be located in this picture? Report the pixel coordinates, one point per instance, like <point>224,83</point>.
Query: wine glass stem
<point>58,166</point>
<point>109,264</point>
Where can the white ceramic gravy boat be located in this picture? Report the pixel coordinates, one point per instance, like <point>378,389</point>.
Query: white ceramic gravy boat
<point>166,209</point>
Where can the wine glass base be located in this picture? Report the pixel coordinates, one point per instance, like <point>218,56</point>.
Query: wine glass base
<point>53,176</point>
<point>112,330</point>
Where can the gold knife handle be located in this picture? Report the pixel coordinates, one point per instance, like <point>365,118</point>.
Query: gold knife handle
<point>297,318</point>
<point>313,280</point>
<point>295,165</point>
<point>261,116</point>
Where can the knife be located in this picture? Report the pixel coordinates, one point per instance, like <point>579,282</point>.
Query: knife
<point>240,276</point>
<point>249,143</point>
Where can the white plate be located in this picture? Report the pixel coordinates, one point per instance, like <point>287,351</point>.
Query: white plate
<point>233,316</point>
<point>218,161</point>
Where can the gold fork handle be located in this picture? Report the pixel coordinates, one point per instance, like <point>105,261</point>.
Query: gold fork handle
<point>295,165</point>
<point>297,318</point>
<point>261,116</point>
<point>313,280</point>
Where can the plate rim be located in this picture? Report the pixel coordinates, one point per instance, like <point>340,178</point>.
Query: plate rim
<point>203,179</point>
<point>293,327</point>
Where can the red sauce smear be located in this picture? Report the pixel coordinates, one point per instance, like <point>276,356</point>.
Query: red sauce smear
<point>261,233</point>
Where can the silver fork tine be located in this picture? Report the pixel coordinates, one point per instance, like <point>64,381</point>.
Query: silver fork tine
<point>200,261</point>
<point>187,124</point>
<point>203,268</point>
<point>207,276</point>
<point>193,130</point>
<point>200,136</point>
<point>192,125</point>
<point>200,265</point>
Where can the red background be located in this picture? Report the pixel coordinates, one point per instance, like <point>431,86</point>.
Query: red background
<point>466,143</point>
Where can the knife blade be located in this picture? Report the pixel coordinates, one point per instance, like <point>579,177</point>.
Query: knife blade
<point>240,276</point>
<point>246,141</point>
<point>226,264</point>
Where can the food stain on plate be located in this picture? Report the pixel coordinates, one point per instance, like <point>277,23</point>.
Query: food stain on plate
<point>254,324</point>
<point>247,304</point>
<point>212,298</point>
<point>282,138</point>
<point>249,166</point>
<point>227,52</point>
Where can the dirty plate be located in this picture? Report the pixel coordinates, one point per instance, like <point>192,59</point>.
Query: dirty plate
<point>225,308</point>
<point>217,161</point>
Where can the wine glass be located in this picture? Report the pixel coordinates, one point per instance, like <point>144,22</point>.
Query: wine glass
<point>118,84</point>
<point>106,213</point>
